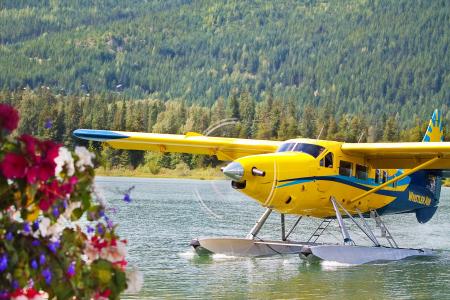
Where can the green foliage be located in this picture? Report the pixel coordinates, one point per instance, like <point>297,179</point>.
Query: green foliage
<point>364,57</point>
<point>271,118</point>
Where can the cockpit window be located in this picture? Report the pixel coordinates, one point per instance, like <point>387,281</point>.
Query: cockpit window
<point>311,149</point>
<point>286,147</point>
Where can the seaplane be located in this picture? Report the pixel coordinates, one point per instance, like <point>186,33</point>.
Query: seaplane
<point>334,181</point>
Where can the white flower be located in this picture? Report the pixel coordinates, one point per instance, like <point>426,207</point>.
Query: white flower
<point>84,158</point>
<point>90,251</point>
<point>54,230</point>
<point>135,280</point>
<point>114,253</point>
<point>44,224</point>
<point>64,158</point>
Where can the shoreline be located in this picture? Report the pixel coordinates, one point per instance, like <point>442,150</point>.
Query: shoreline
<point>201,174</point>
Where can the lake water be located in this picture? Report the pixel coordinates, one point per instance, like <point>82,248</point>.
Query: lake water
<point>165,214</point>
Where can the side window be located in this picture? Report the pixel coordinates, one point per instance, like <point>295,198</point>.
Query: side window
<point>327,161</point>
<point>361,172</point>
<point>385,176</point>
<point>377,176</point>
<point>345,168</point>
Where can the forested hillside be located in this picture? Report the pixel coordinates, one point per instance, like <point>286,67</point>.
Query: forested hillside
<point>54,116</point>
<point>368,58</point>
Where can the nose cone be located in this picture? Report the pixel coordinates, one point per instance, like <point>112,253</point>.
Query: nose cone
<point>234,171</point>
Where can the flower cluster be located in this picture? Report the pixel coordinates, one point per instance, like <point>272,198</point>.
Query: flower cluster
<point>44,192</point>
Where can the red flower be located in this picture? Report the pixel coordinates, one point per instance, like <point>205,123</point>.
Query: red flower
<point>49,193</point>
<point>73,180</point>
<point>32,175</point>
<point>98,243</point>
<point>29,293</point>
<point>13,166</point>
<point>30,143</point>
<point>50,151</point>
<point>46,170</point>
<point>9,117</point>
<point>121,264</point>
<point>105,294</point>
<point>41,172</point>
<point>45,204</point>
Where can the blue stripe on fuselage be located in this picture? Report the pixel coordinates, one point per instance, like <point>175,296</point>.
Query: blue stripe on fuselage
<point>351,181</point>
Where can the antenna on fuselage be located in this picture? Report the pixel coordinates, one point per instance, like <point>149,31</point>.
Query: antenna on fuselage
<point>361,136</point>
<point>320,133</point>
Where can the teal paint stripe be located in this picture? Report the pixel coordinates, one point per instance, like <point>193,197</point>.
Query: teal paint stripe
<point>98,135</point>
<point>349,180</point>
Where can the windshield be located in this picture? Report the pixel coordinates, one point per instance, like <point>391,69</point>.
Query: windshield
<point>311,149</point>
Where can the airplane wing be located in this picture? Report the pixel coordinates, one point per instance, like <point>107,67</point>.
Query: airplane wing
<point>401,155</point>
<point>195,143</point>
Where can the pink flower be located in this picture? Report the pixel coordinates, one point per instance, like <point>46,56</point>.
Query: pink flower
<point>9,117</point>
<point>13,166</point>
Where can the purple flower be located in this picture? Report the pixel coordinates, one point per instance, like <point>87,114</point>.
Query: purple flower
<point>89,229</point>
<point>48,124</point>
<point>3,262</point>
<point>35,243</point>
<point>71,270</point>
<point>42,259</point>
<point>127,198</point>
<point>4,295</point>
<point>100,228</point>
<point>34,264</point>
<point>35,225</point>
<point>101,213</point>
<point>9,236</point>
<point>53,246</point>
<point>47,274</point>
<point>26,227</point>
<point>110,223</point>
<point>65,203</point>
<point>15,285</point>
<point>55,212</point>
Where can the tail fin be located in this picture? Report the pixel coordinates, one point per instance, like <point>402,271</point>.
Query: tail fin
<point>435,130</point>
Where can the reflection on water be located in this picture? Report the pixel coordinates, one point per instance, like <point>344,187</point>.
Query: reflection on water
<point>165,214</point>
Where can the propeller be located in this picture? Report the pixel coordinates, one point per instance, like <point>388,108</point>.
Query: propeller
<point>220,197</point>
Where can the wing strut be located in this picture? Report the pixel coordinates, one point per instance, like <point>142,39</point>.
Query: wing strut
<point>395,179</point>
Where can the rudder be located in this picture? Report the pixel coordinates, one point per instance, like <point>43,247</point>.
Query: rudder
<point>435,130</point>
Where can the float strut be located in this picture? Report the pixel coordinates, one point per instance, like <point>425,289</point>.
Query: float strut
<point>283,228</point>
<point>255,230</point>
<point>345,234</point>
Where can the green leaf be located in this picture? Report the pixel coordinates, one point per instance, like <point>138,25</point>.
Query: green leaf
<point>76,214</point>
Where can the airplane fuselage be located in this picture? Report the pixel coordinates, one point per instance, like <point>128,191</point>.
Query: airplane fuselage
<point>302,176</point>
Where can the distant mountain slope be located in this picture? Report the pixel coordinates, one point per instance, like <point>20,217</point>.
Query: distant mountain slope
<point>363,56</point>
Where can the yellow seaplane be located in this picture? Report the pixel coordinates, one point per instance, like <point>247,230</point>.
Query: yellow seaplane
<point>317,178</point>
